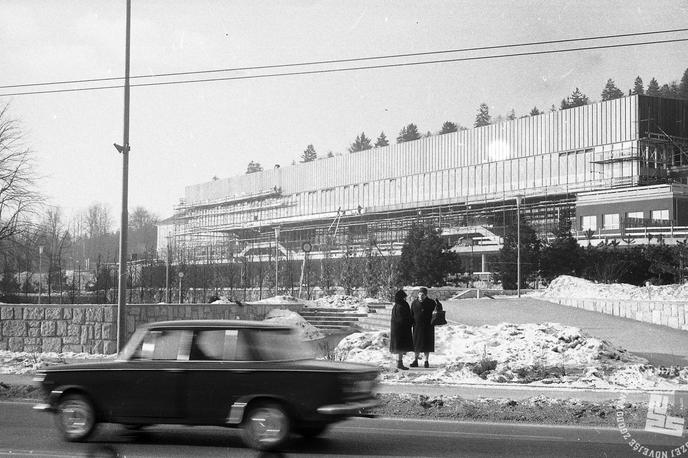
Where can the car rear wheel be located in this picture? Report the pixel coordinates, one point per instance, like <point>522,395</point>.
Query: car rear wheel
<point>75,417</point>
<point>265,427</point>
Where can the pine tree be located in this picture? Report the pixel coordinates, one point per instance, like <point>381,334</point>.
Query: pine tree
<point>610,91</point>
<point>309,154</point>
<point>683,87</point>
<point>669,90</point>
<point>381,140</point>
<point>361,143</point>
<point>483,117</point>
<point>425,257</point>
<point>408,134</point>
<point>535,112</point>
<point>638,86</point>
<point>653,88</point>
<point>448,127</point>
<point>254,167</point>
<point>511,115</point>
<point>576,99</point>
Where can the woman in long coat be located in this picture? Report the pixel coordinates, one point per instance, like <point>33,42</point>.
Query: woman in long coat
<point>400,337</point>
<point>423,330</point>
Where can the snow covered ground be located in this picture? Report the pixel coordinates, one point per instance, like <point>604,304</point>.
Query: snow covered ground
<point>567,286</point>
<point>534,354</point>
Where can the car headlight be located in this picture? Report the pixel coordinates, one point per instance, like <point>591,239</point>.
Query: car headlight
<point>39,377</point>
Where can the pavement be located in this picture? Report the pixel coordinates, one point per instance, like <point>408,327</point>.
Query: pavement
<point>662,346</point>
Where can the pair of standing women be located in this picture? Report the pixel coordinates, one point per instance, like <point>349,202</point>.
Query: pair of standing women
<point>411,328</point>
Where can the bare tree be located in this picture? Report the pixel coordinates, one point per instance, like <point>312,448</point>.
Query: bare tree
<point>98,220</point>
<point>18,197</point>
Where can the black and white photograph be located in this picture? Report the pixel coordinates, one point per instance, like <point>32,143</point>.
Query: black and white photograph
<point>430,228</point>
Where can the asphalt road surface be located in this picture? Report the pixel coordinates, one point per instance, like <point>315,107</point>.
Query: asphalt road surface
<point>26,433</point>
<point>660,345</point>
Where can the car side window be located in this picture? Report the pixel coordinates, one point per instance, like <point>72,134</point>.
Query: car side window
<point>161,344</point>
<point>237,346</point>
<point>208,345</point>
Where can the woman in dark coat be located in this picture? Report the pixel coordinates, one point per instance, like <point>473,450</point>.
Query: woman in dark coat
<point>423,330</point>
<point>400,338</point>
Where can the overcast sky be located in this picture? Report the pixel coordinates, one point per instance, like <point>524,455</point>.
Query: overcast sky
<point>186,134</point>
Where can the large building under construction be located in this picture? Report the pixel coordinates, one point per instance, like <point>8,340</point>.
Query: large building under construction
<point>610,166</point>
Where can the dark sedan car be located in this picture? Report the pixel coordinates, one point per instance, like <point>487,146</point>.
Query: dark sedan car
<point>247,374</point>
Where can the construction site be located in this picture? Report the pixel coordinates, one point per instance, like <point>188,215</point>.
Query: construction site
<point>618,169</point>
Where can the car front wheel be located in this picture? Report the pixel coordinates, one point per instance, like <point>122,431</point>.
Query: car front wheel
<point>265,427</point>
<point>75,417</point>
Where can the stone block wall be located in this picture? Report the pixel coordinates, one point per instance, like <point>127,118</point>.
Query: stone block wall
<point>93,328</point>
<point>673,314</point>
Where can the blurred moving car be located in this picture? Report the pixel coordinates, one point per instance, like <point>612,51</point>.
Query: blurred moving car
<point>248,374</point>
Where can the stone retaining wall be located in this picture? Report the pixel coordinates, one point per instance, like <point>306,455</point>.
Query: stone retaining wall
<point>673,314</point>
<point>93,328</point>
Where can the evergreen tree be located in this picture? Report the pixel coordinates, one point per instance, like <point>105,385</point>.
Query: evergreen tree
<point>563,256</point>
<point>553,108</point>
<point>427,134</point>
<point>309,154</point>
<point>683,87</point>
<point>653,88</point>
<point>425,257</point>
<point>381,140</point>
<point>535,112</point>
<point>507,267</point>
<point>361,143</point>
<point>448,127</point>
<point>576,99</point>
<point>483,117</point>
<point>511,115</point>
<point>669,90</point>
<point>610,91</point>
<point>638,86</point>
<point>408,134</point>
<point>254,167</point>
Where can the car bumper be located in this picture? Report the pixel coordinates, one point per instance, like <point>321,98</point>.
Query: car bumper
<point>348,408</point>
<point>44,408</point>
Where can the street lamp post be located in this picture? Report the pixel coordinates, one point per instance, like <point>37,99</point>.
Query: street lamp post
<point>181,275</point>
<point>40,272</point>
<point>518,245</point>
<point>277,234</point>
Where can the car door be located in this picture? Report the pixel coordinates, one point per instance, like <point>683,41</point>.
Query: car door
<point>149,386</point>
<point>220,370</point>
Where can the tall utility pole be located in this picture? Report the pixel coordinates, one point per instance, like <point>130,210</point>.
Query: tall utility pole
<point>122,285</point>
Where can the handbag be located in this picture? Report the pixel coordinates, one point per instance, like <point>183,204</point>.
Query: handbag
<point>438,315</point>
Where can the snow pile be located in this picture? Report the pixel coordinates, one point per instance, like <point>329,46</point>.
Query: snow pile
<point>27,362</point>
<point>278,300</point>
<point>340,301</point>
<point>567,286</point>
<point>546,353</point>
<point>306,330</point>
<point>222,300</point>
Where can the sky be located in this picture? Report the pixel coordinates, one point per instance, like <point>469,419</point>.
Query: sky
<point>185,134</point>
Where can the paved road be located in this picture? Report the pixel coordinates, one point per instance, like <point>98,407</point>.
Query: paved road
<point>24,433</point>
<point>662,346</point>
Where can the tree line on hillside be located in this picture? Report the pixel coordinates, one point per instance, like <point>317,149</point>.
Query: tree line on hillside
<point>410,132</point>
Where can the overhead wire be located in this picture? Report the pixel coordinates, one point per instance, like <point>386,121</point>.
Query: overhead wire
<point>333,70</point>
<point>354,59</point>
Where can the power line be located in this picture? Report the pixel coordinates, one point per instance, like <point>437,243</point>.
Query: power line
<point>347,69</point>
<point>355,59</point>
